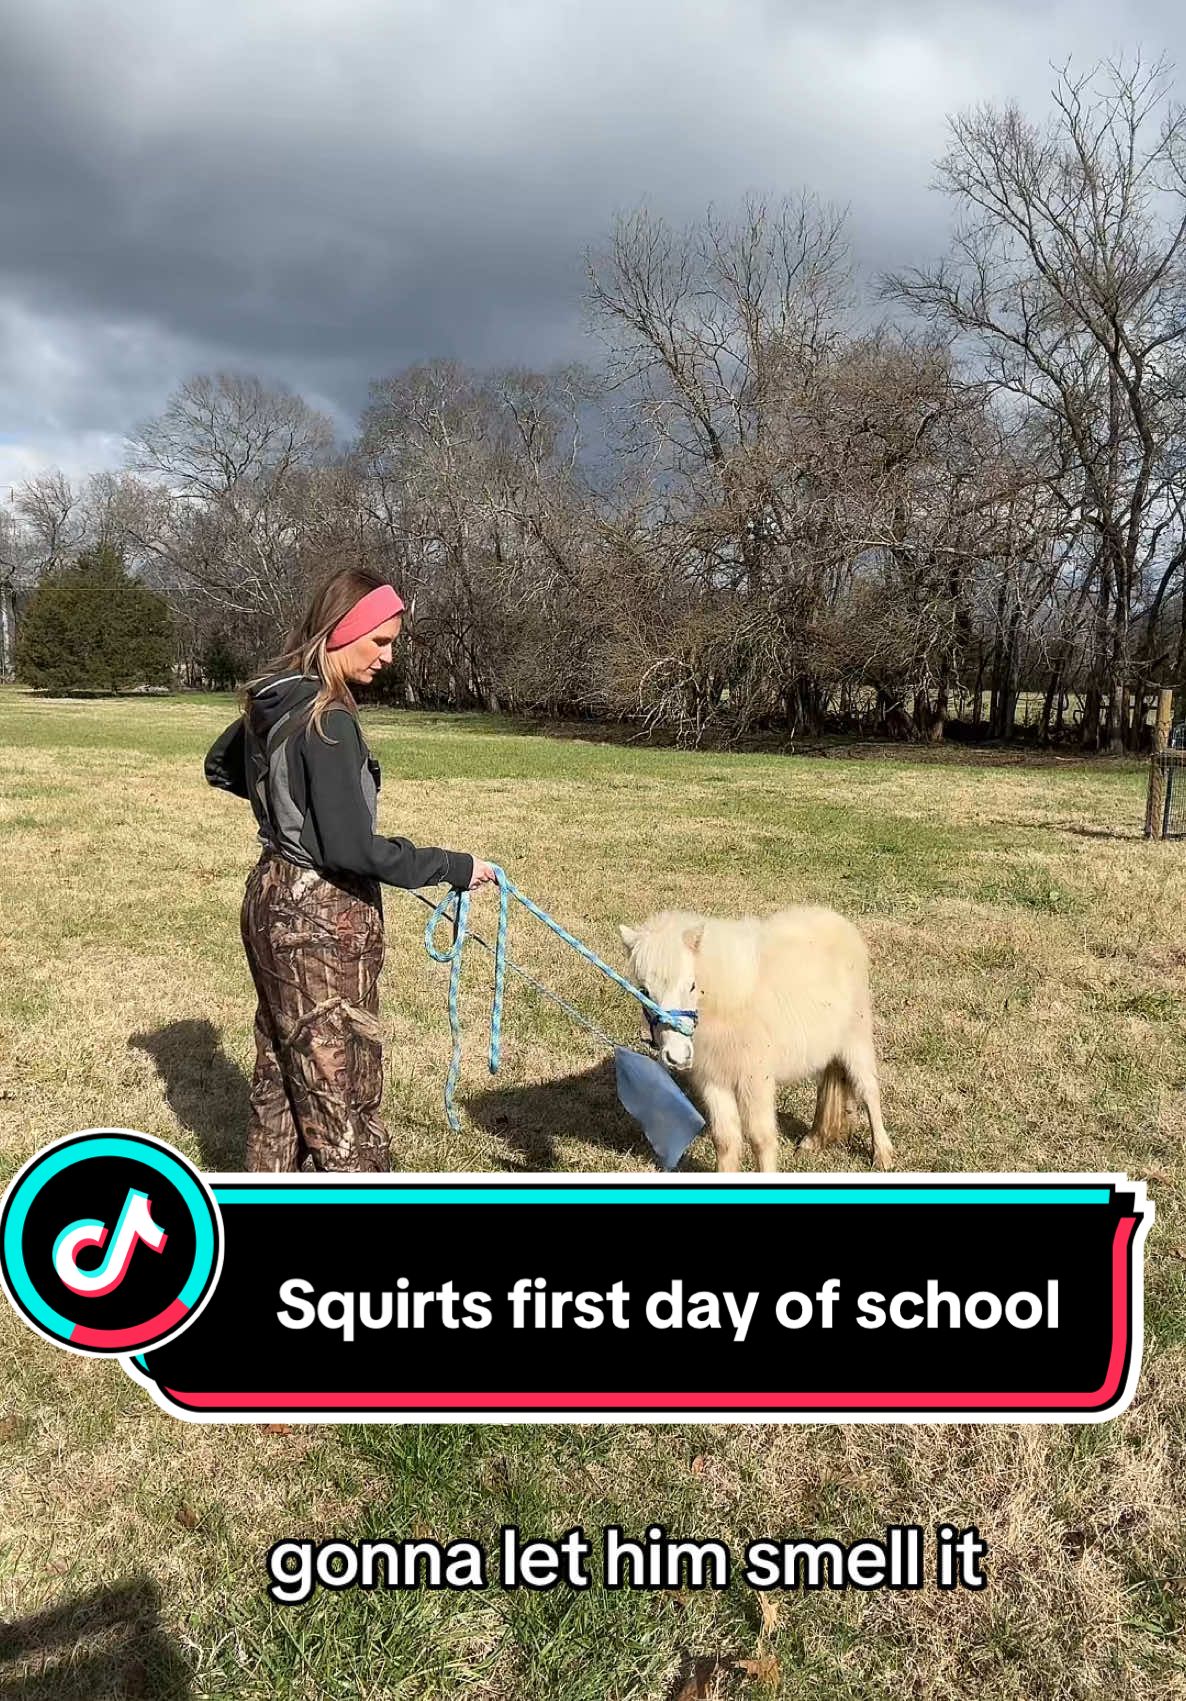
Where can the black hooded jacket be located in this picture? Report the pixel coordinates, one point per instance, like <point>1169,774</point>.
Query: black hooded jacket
<point>315,801</point>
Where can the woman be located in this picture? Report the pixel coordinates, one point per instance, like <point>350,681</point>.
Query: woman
<point>312,918</point>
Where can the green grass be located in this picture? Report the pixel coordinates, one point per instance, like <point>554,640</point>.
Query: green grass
<point>1028,967</point>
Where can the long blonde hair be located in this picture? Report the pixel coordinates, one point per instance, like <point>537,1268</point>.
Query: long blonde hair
<point>305,647</point>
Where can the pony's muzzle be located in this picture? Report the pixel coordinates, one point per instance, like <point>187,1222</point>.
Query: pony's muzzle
<point>671,1041</point>
<point>675,1049</point>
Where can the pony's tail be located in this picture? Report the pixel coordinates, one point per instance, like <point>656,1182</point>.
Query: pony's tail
<point>831,1105</point>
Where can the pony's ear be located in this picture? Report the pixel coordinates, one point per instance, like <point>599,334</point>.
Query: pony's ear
<point>693,937</point>
<point>629,936</point>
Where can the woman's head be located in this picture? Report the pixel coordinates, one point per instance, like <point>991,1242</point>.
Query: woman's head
<point>349,627</point>
<point>345,636</point>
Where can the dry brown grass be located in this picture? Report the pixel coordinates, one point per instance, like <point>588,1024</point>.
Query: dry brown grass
<point>1030,977</point>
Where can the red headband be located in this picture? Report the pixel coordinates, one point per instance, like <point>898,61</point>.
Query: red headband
<point>372,610</point>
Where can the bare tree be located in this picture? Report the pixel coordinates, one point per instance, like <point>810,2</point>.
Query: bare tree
<point>477,497</point>
<point>239,461</point>
<point>702,329</point>
<point>51,509</point>
<point>222,432</point>
<point>1067,282</point>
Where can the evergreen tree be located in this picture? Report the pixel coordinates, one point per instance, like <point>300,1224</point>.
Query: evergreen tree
<point>221,663</point>
<point>92,627</point>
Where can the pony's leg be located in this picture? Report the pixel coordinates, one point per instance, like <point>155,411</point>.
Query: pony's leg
<point>860,1062</point>
<point>760,1120</point>
<point>724,1124</point>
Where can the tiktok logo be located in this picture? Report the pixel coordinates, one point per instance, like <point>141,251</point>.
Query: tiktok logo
<point>135,1223</point>
<point>112,1280</point>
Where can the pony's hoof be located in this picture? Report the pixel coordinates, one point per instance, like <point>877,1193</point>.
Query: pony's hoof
<point>884,1160</point>
<point>809,1143</point>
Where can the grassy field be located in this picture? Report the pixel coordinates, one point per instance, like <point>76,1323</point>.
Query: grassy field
<point>1030,981</point>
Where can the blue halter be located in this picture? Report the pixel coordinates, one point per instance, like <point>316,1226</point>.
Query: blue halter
<point>671,1019</point>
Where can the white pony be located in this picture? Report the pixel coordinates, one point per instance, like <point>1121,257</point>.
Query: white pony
<point>776,1000</point>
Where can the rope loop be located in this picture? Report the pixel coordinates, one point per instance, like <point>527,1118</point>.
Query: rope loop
<point>454,906</point>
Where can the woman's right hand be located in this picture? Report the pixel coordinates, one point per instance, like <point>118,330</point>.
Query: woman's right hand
<point>482,875</point>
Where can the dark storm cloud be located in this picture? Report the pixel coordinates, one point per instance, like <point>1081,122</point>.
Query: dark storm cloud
<point>323,193</point>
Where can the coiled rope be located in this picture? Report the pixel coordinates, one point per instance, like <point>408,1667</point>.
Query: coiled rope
<point>454,906</point>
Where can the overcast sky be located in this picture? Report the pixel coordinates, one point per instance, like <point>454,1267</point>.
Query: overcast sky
<point>322,192</point>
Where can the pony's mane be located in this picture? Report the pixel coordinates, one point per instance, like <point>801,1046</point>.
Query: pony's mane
<point>729,962</point>
<point>728,953</point>
<point>660,942</point>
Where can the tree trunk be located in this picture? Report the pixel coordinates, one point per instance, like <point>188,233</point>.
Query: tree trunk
<point>1090,730</point>
<point>1004,693</point>
<point>7,632</point>
<point>1053,691</point>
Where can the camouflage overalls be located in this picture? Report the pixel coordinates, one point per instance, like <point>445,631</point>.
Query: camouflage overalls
<point>315,947</point>
<point>312,925</point>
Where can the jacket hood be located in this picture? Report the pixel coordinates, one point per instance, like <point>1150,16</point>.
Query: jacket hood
<point>276,697</point>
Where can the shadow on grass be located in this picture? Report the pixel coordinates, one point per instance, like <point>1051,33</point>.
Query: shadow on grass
<point>530,1120</point>
<point>208,1094</point>
<point>1127,834</point>
<point>205,1090</point>
<point>104,1646</point>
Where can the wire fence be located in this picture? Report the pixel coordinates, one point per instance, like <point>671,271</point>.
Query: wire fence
<point>1173,825</point>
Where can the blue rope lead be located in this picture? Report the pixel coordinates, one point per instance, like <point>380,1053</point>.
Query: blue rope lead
<point>455,906</point>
